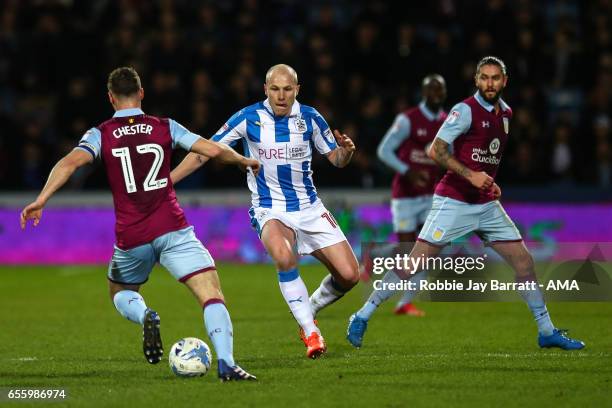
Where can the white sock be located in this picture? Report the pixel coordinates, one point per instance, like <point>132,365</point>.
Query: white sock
<point>296,295</point>
<point>326,294</point>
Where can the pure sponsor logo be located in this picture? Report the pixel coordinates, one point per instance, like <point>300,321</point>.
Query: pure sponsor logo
<point>486,124</point>
<point>140,128</point>
<point>506,124</point>
<point>286,152</point>
<point>421,132</point>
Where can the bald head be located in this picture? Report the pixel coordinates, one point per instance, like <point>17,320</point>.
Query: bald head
<point>281,69</point>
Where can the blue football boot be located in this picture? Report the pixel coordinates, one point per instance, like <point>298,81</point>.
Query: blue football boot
<point>559,339</point>
<point>356,329</point>
<point>233,373</point>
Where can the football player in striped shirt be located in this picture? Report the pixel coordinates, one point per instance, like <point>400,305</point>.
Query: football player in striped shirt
<point>286,211</point>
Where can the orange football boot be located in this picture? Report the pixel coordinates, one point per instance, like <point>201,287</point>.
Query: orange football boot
<point>410,310</point>
<point>303,335</point>
<point>315,345</point>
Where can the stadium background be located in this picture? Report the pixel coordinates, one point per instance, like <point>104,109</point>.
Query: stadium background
<point>359,63</point>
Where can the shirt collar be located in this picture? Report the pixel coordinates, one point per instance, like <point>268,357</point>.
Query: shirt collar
<point>295,108</point>
<point>428,113</point>
<point>121,113</point>
<point>489,107</point>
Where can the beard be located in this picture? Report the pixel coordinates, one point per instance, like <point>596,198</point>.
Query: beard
<point>493,99</point>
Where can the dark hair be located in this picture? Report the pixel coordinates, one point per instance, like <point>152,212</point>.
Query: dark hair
<point>123,81</point>
<point>491,60</point>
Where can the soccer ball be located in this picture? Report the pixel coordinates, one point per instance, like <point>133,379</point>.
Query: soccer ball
<point>190,357</point>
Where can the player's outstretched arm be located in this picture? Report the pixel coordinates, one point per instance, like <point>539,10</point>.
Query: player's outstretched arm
<point>59,175</point>
<point>190,163</point>
<point>341,156</point>
<point>440,153</point>
<point>225,154</point>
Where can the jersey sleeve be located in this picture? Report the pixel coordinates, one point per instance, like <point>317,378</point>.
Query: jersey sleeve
<point>457,123</point>
<point>322,136</point>
<point>91,142</point>
<point>232,130</point>
<point>395,136</point>
<point>181,136</point>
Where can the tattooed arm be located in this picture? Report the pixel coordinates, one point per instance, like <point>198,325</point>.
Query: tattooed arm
<point>439,152</point>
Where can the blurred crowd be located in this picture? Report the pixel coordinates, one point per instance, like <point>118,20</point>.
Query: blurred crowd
<point>359,63</point>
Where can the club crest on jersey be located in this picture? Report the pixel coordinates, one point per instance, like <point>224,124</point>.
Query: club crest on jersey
<point>300,125</point>
<point>438,233</point>
<point>506,124</point>
<point>494,146</point>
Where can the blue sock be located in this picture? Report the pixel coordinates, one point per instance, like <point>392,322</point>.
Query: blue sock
<point>219,328</point>
<point>131,305</point>
<point>410,294</point>
<point>535,301</point>
<point>379,296</point>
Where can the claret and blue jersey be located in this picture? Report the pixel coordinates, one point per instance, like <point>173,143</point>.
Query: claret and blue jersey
<point>283,145</point>
<point>136,150</point>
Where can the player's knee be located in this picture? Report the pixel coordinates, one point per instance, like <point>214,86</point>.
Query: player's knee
<point>349,274</point>
<point>284,260</point>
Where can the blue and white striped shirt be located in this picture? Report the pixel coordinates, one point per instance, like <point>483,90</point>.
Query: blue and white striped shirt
<point>283,146</point>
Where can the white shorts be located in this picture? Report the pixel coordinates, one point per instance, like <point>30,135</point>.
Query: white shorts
<point>314,227</point>
<point>410,212</point>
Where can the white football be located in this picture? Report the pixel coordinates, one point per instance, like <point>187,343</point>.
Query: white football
<point>190,357</point>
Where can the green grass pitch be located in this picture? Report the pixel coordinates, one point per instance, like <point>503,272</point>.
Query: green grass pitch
<point>58,329</point>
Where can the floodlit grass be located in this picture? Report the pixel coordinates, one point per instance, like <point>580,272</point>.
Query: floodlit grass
<point>58,329</point>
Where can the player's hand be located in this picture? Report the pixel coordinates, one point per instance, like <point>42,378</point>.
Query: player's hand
<point>481,180</point>
<point>32,211</point>
<point>495,191</point>
<point>344,141</point>
<point>419,178</point>
<point>251,165</point>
